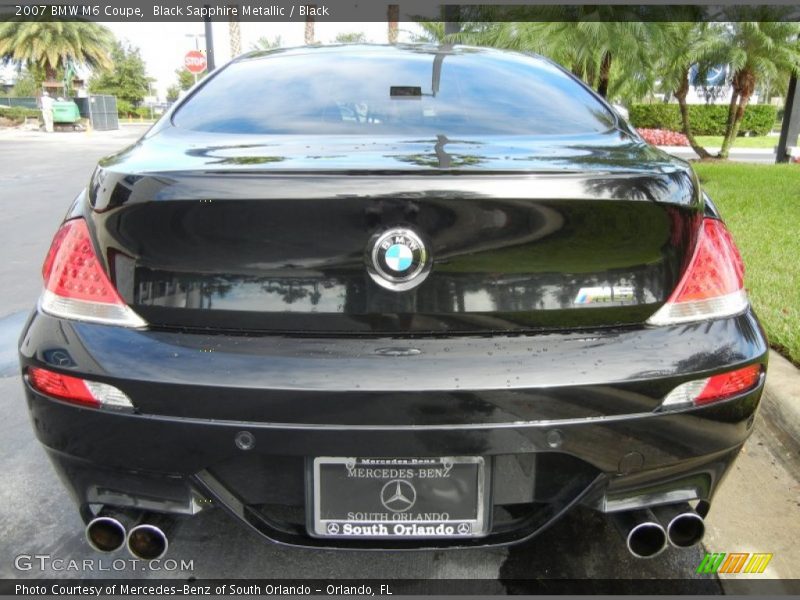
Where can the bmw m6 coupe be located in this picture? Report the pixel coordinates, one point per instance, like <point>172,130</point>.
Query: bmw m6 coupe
<point>392,297</point>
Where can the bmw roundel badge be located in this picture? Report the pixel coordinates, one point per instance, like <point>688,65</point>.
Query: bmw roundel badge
<point>397,259</point>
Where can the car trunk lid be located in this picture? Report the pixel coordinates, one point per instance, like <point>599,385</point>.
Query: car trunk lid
<point>521,236</point>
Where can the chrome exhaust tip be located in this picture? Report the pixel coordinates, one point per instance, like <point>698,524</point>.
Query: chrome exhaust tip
<point>644,536</point>
<point>105,534</point>
<point>685,528</point>
<point>647,540</point>
<point>147,542</point>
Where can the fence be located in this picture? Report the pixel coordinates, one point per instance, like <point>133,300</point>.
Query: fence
<point>26,102</point>
<point>100,110</point>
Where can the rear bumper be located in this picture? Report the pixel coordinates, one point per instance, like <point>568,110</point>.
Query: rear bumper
<point>577,440</point>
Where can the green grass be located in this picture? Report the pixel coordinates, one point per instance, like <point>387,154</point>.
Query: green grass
<point>715,141</point>
<point>761,205</point>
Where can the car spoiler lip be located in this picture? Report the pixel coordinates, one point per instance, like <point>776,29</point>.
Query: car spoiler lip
<point>173,150</point>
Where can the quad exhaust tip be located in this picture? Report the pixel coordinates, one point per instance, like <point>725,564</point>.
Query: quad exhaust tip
<point>644,536</point>
<point>647,540</point>
<point>685,527</point>
<point>686,530</point>
<point>143,534</point>
<point>647,532</point>
<point>105,534</point>
<point>147,542</point>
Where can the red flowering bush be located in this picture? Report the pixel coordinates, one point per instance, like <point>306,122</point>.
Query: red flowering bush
<point>663,137</point>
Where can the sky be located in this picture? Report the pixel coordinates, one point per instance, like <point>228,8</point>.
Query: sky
<point>163,45</point>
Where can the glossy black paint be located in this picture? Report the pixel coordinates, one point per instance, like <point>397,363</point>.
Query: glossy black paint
<point>261,232</point>
<point>245,253</point>
<point>231,249</point>
<point>499,397</point>
<point>455,381</point>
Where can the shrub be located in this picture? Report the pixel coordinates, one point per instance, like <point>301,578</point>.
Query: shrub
<point>124,108</point>
<point>663,137</point>
<point>18,113</point>
<point>655,116</point>
<point>706,119</point>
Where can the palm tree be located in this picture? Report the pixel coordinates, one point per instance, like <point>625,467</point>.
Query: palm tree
<point>235,36</point>
<point>354,37</point>
<point>754,50</point>
<point>392,18</point>
<point>606,46</point>
<point>265,43</point>
<point>46,47</point>
<point>685,44</point>
<point>432,32</point>
<point>308,35</point>
<point>610,55</point>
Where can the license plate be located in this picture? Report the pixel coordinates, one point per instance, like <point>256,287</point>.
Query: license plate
<point>399,497</point>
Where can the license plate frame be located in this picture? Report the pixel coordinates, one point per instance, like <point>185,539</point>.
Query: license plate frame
<point>470,521</point>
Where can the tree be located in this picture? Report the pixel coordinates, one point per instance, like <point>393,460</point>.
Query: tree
<point>606,46</point>
<point>353,37</point>
<point>45,48</point>
<point>611,56</point>
<point>754,50</point>
<point>173,93</point>
<point>127,79</point>
<point>185,80</point>
<point>686,44</point>
<point>265,43</point>
<point>432,32</point>
<point>308,34</point>
<point>25,85</point>
<point>235,36</point>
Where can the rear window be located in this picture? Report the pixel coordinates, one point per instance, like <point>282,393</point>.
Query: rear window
<point>377,91</point>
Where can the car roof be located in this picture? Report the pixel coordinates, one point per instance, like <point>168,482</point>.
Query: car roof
<point>387,50</point>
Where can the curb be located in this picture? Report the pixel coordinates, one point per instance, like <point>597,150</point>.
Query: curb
<point>780,404</point>
<point>712,150</point>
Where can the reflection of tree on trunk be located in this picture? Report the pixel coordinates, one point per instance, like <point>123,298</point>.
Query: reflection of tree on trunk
<point>210,290</point>
<point>567,293</point>
<point>293,290</point>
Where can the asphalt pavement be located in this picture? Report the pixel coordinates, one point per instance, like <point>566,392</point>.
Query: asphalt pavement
<point>40,175</point>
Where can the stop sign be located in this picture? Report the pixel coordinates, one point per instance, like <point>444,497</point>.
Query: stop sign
<point>195,61</point>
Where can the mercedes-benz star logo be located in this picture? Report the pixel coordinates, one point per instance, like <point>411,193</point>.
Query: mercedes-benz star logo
<point>398,495</point>
<point>397,259</point>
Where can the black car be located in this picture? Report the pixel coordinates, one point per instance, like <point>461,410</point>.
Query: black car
<point>392,297</point>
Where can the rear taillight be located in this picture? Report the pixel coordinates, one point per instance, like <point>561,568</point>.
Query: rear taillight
<point>714,388</point>
<point>76,390</point>
<point>712,285</point>
<point>75,285</point>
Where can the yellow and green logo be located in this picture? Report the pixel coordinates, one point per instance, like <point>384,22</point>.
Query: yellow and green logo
<point>734,562</point>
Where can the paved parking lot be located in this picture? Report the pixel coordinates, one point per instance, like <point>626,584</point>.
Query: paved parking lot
<point>756,511</point>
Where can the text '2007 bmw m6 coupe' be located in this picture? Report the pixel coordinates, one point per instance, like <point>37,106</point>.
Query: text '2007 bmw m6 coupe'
<point>392,297</point>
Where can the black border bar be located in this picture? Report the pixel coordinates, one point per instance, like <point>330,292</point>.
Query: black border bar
<point>400,10</point>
